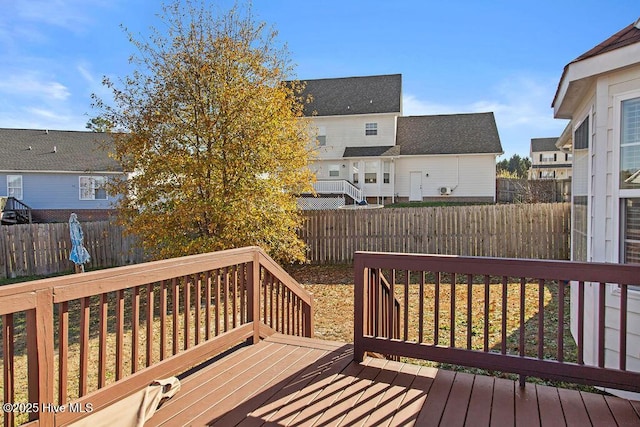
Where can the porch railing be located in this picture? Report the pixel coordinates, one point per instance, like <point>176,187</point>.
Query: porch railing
<point>94,338</point>
<point>338,187</point>
<point>20,212</point>
<point>509,315</point>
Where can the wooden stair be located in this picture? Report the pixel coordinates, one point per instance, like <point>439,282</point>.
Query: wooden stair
<point>13,211</point>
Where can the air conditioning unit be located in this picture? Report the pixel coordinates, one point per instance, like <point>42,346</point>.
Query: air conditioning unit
<point>444,191</point>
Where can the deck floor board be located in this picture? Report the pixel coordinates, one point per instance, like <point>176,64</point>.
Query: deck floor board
<point>288,381</point>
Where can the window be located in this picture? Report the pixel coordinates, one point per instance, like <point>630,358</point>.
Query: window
<point>92,188</point>
<point>334,170</point>
<point>370,172</point>
<point>14,186</point>
<point>547,158</point>
<point>630,144</point>
<point>631,231</point>
<point>322,136</point>
<point>356,173</point>
<point>370,129</point>
<point>581,136</point>
<point>386,172</point>
<point>548,174</point>
<point>580,186</point>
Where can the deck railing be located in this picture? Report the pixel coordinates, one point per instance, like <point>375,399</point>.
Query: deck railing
<point>509,315</point>
<point>14,206</point>
<point>87,340</point>
<point>340,186</point>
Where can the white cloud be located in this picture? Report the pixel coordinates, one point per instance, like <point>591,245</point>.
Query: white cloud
<point>31,84</point>
<point>521,106</point>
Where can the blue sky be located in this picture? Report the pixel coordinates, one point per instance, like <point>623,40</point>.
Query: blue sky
<point>455,57</point>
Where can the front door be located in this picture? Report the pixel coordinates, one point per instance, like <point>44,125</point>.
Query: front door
<point>415,186</point>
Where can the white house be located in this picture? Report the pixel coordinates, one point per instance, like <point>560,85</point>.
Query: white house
<point>548,161</point>
<point>600,93</point>
<point>368,150</point>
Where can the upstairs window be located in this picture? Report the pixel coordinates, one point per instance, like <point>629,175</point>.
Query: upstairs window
<point>370,129</point>
<point>93,188</point>
<point>322,136</point>
<point>630,144</point>
<point>14,186</point>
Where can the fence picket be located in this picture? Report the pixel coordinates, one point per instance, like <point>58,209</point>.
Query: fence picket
<point>514,231</point>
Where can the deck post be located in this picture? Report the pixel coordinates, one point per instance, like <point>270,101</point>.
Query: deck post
<point>40,355</point>
<point>358,304</point>
<point>253,297</point>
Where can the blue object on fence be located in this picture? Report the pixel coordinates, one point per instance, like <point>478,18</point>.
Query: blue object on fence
<point>79,254</point>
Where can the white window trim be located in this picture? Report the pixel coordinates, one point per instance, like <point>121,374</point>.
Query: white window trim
<point>93,177</point>
<point>21,186</point>
<point>618,194</point>
<point>371,126</point>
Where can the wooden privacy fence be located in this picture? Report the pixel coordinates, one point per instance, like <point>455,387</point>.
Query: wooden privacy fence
<point>41,249</point>
<point>513,231</point>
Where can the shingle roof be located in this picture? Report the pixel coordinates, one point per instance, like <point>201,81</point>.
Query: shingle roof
<point>625,37</point>
<point>448,134</point>
<point>33,150</point>
<point>386,150</point>
<point>353,95</point>
<point>544,144</point>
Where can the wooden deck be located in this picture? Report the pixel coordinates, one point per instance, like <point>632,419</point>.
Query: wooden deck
<point>296,381</point>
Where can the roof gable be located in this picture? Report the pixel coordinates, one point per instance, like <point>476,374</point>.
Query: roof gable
<point>543,144</point>
<point>448,134</point>
<point>618,51</point>
<point>61,151</point>
<point>353,95</point>
<point>625,37</point>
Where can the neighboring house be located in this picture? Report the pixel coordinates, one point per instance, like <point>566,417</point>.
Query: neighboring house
<point>368,150</point>
<point>57,172</point>
<point>548,161</point>
<point>600,93</point>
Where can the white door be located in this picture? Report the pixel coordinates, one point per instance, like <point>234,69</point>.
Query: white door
<point>415,186</point>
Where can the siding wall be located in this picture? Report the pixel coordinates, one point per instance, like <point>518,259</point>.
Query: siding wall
<point>348,131</point>
<point>470,175</point>
<point>603,235</point>
<point>54,191</point>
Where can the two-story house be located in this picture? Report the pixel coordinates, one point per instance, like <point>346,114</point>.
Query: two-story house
<point>548,161</point>
<point>368,150</point>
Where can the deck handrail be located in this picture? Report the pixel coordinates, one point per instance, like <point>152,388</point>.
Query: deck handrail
<point>338,186</point>
<point>155,319</point>
<point>21,210</point>
<point>431,334</point>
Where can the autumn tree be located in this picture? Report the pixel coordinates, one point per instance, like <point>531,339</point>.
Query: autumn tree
<point>213,138</point>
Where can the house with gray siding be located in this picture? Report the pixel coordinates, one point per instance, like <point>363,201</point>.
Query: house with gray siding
<point>58,172</point>
<point>367,150</point>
